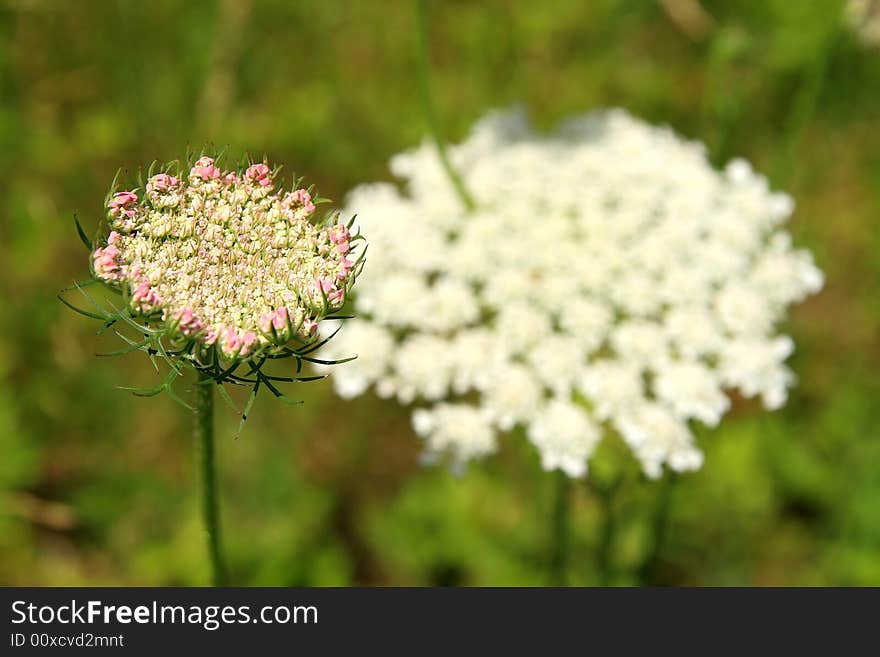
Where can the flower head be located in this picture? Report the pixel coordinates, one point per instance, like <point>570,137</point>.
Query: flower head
<point>225,258</point>
<point>609,281</point>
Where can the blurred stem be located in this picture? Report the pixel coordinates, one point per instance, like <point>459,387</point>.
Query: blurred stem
<point>659,524</point>
<point>424,75</point>
<point>805,103</point>
<point>204,435</point>
<point>561,520</point>
<point>721,107</point>
<point>606,495</point>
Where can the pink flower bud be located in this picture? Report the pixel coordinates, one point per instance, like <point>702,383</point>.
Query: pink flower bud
<point>247,341</point>
<point>144,295</point>
<point>187,323</point>
<point>339,233</point>
<point>204,168</point>
<point>121,204</point>
<point>279,321</point>
<point>301,202</point>
<point>346,267</point>
<point>161,182</point>
<point>259,173</point>
<point>265,323</point>
<point>106,263</point>
<point>231,342</point>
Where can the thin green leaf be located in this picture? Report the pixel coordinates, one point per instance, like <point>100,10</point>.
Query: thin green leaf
<point>82,234</point>
<point>126,350</point>
<point>328,362</point>
<point>79,284</point>
<point>75,309</point>
<point>170,390</point>
<point>278,394</point>
<point>225,396</point>
<point>247,408</point>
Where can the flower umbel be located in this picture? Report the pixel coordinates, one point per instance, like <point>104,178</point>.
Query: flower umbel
<point>609,279</point>
<point>221,267</point>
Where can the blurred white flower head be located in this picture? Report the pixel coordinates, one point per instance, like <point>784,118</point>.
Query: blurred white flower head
<point>610,280</point>
<point>863,17</point>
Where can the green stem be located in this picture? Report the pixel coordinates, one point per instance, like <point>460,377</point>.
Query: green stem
<point>659,525</point>
<point>560,530</point>
<point>721,108</point>
<point>606,536</point>
<point>204,435</point>
<point>424,70</point>
<point>805,104</point>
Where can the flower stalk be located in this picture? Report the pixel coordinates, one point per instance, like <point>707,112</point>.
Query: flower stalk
<point>659,527</point>
<point>561,522</point>
<point>606,495</point>
<point>424,73</point>
<point>204,439</point>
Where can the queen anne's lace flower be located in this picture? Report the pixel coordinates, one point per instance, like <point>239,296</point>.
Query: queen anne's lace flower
<point>226,258</point>
<point>609,278</point>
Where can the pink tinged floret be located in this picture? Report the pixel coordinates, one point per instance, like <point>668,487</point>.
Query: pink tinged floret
<point>231,341</point>
<point>341,237</point>
<point>144,295</point>
<point>310,326</point>
<point>106,263</point>
<point>230,178</point>
<point>260,174</point>
<point>161,182</point>
<point>279,319</point>
<point>275,322</point>
<point>339,234</point>
<point>188,323</point>
<point>301,201</point>
<point>204,168</point>
<point>336,295</point>
<point>113,238</point>
<point>325,285</point>
<point>247,341</point>
<point>265,323</point>
<point>121,204</point>
<point>346,266</point>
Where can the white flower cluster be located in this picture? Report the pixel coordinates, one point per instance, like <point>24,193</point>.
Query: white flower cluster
<point>226,258</point>
<point>609,278</point>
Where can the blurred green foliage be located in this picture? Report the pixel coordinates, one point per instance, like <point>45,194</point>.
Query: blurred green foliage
<point>98,487</point>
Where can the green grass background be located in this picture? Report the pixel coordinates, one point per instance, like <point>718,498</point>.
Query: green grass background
<point>98,487</point>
